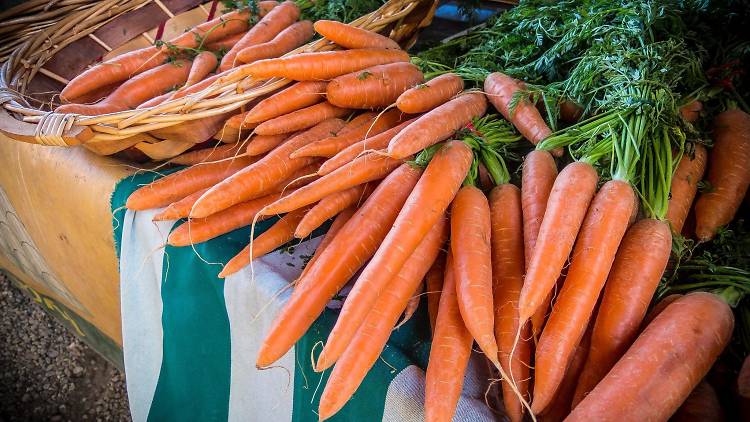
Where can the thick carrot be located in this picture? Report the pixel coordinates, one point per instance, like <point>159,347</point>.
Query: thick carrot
<point>322,65</point>
<point>500,89</point>
<point>156,100</point>
<point>635,274</point>
<point>665,363</point>
<point>560,406</point>
<point>226,43</point>
<point>685,186</point>
<point>179,209</point>
<point>239,122</point>
<point>281,232</point>
<point>277,19</point>
<point>301,119</point>
<point>426,204</point>
<point>472,266</point>
<point>449,355</point>
<point>351,37</point>
<point>231,23</point>
<point>658,308</point>
<point>600,235</point>
<point>701,405</point>
<point>374,87</point>
<point>434,287</point>
<point>255,180</point>
<point>691,111</point>
<point>347,252</point>
<point>330,206</point>
<point>331,146</point>
<point>260,144</point>
<point>566,207</point>
<point>287,40</point>
<point>426,96</point>
<point>371,338</point>
<point>728,173</point>
<point>95,95</point>
<point>296,97</point>
<point>507,280</point>
<point>537,178</point>
<point>176,186</point>
<point>333,230</point>
<point>135,91</point>
<point>438,124</point>
<point>203,64</point>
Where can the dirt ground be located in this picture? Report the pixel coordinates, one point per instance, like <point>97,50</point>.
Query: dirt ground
<point>46,373</point>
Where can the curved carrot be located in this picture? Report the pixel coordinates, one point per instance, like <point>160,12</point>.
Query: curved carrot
<point>329,207</point>
<point>374,87</point>
<point>260,144</point>
<point>203,64</point>
<point>287,40</point>
<point>426,96</point>
<point>296,97</point>
<point>635,274</point>
<point>433,288</point>
<point>428,201</point>
<point>666,361</point>
<point>438,124</point>
<point>217,153</point>
<point>691,111</point>
<point>300,119</point>
<point>728,173</point>
<point>179,209</point>
<point>351,37</point>
<point>347,252</point>
<point>685,186</point>
<point>602,230</point>
<point>231,23</point>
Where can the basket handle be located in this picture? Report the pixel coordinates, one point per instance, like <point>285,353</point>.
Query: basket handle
<point>35,133</point>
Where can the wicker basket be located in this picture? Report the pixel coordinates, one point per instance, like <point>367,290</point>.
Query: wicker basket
<point>48,42</point>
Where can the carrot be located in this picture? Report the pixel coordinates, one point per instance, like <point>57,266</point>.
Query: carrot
<point>658,308</point>
<point>472,266</point>
<point>685,186</point>
<point>95,95</point>
<point>279,18</point>
<point>179,209</point>
<point>182,92</point>
<point>635,274</point>
<point>357,121</point>
<point>300,119</point>
<point>438,124</point>
<point>323,65</point>
<point>260,144</point>
<point>433,288</point>
<point>226,43</point>
<point>666,362</point>
<point>570,112</point>
<point>600,235</point>
<point>371,338</point>
<point>566,207</point>
<point>537,178</point>
<point>135,91</point>
<point>425,205</point>
<point>507,279</point>
<point>560,406</point>
<point>231,23</point>
<point>701,405</point>
<point>331,146</point>
<point>296,97</point>
<point>338,223</point>
<point>281,232</point>
<point>203,64</point>
<point>348,154</point>
<point>255,180</point>
<point>374,87</point>
<point>728,173</point>
<point>239,122</point>
<point>156,100</point>
<point>176,186</point>
<point>426,96</point>
<point>691,111</point>
<point>351,37</point>
<point>287,40</point>
<point>347,252</point>
<point>449,355</point>
<point>329,207</point>
<point>743,380</point>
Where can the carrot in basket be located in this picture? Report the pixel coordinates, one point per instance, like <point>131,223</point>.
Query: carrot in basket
<point>333,230</point>
<point>351,37</point>
<point>330,206</point>
<point>371,338</point>
<point>228,24</point>
<point>635,274</point>
<point>96,95</point>
<point>472,266</point>
<point>728,173</point>
<point>323,65</point>
<point>426,96</point>
<point>179,209</point>
<point>347,252</point>
<point>438,124</point>
<point>265,174</point>
<point>685,186</point>
<point>279,18</point>
<point>135,91</point>
<point>203,64</point>
<point>156,100</point>
<point>603,228</point>
<point>426,204</point>
<point>260,144</point>
<point>667,361</point>
<point>182,92</point>
<point>375,87</point>
<point>287,40</point>
<point>296,97</point>
<point>300,119</point>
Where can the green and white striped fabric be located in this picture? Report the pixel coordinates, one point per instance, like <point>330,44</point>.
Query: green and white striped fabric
<point>190,339</point>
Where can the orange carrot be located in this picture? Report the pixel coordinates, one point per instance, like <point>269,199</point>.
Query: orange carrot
<point>691,111</point>
<point>347,252</point>
<point>570,112</point>
<point>658,308</point>
<point>358,120</point>
<point>216,29</point>
<point>434,287</point>
<point>226,43</point>
<point>300,119</point>
<point>426,204</point>
<point>179,209</point>
<point>182,92</point>
<point>156,100</point>
<point>95,95</point>
<point>260,144</point>
<point>329,207</point>
<point>279,18</point>
<point>351,37</point>
<point>374,87</point>
<point>296,97</point>
<point>635,274</point>
<point>701,405</point>
<point>560,406</point>
<point>728,173</point>
<point>600,235</point>
<point>287,40</point>
<point>685,186</point>
<point>203,64</point>
<point>371,338</point>
<point>238,122</point>
<point>426,96</point>
<point>216,153</point>
<point>438,124</point>
<point>336,226</point>
<point>322,65</point>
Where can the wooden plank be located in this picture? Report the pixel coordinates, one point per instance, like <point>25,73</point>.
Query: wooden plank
<point>72,59</point>
<point>130,25</point>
